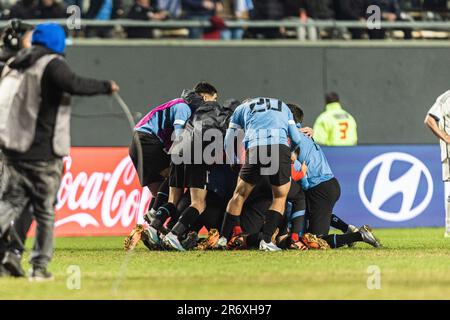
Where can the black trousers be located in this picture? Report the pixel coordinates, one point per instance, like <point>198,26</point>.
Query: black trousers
<point>320,202</point>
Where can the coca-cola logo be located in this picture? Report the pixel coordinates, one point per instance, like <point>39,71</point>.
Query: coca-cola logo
<point>101,198</point>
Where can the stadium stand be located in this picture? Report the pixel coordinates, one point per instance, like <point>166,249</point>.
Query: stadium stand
<point>243,19</point>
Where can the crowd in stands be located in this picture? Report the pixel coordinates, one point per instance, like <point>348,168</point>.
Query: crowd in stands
<point>220,11</point>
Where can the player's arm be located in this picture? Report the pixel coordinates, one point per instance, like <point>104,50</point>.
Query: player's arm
<point>181,115</point>
<point>307,131</point>
<point>298,170</point>
<point>232,134</point>
<point>432,123</point>
<point>294,134</point>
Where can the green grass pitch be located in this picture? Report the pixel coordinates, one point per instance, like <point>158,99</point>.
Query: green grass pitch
<point>414,264</point>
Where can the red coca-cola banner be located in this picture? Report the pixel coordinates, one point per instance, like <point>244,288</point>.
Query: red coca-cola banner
<point>99,194</point>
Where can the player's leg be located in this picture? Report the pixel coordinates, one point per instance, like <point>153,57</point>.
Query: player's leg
<point>249,175</point>
<point>169,209</point>
<point>296,219</point>
<point>364,234</point>
<point>274,216</point>
<point>196,179</point>
<point>231,222</point>
<point>211,219</point>
<point>153,166</point>
<point>160,192</point>
<point>339,224</point>
<point>280,157</point>
<point>252,222</point>
<point>321,200</point>
<point>147,235</point>
<point>447,209</point>
<point>187,218</point>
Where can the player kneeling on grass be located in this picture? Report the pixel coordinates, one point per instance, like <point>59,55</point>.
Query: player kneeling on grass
<point>322,191</point>
<point>250,231</point>
<point>153,139</point>
<point>267,125</point>
<point>210,119</point>
<point>204,92</point>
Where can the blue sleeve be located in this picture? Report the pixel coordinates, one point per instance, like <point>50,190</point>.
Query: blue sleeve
<point>236,123</point>
<point>181,114</point>
<point>293,132</point>
<point>237,118</point>
<point>305,183</point>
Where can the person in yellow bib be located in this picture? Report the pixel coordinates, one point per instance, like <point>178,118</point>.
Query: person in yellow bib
<point>335,126</point>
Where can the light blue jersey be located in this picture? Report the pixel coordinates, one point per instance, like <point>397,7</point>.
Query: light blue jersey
<point>165,119</point>
<point>265,122</point>
<point>318,168</point>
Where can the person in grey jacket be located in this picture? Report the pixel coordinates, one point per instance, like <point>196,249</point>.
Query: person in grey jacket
<point>36,173</point>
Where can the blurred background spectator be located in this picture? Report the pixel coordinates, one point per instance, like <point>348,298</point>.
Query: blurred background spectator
<point>311,10</point>
<point>435,5</point>
<point>200,10</point>
<point>238,10</point>
<point>78,3</point>
<point>267,10</point>
<point>103,10</point>
<point>49,9</point>
<point>173,7</point>
<point>218,12</point>
<point>23,9</point>
<point>143,10</point>
<point>352,10</point>
<point>391,12</point>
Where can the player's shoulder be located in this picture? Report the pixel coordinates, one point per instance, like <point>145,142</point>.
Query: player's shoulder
<point>444,98</point>
<point>181,105</point>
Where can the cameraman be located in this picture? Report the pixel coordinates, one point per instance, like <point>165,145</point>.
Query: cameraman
<point>16,36</point>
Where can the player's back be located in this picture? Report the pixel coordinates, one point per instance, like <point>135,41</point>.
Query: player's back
<point>318,168</point>
<point>264,120</point>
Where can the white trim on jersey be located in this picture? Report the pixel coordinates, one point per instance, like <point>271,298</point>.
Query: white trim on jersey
<point>179,122</point>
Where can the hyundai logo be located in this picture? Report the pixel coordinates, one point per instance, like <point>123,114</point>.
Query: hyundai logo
<point>384,189</point>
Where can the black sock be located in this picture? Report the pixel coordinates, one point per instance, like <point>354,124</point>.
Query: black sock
<point>152,202</point>
<point>230,221</point>
<point>162,196</point>
<point>187,219</point>
<point>298,225</point>
<point>173,219</point>
<point>284,228</point>
<point>339,224</point>
<point>340,240</point>
<point>253,240</point>
<point>273,220</point>
<point>163,213</point>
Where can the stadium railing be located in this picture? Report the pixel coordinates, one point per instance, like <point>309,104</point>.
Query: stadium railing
<point>169,24</point>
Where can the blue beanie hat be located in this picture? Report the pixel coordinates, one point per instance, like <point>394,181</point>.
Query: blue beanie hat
<point>51,36</point>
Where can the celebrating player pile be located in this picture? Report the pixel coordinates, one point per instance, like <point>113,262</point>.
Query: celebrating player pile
<point>247,169</point>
